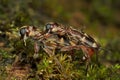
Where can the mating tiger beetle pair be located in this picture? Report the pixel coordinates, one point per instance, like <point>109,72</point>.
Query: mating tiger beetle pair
<point>63,38</point>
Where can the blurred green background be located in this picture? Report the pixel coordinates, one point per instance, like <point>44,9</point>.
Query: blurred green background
<point>99,18</point>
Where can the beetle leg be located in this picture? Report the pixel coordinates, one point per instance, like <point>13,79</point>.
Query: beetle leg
<point>36,50</point>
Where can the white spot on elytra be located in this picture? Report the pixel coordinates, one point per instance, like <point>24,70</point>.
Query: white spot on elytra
<point>83,39</point>
<point>85,34</point>
<point>94,45</point>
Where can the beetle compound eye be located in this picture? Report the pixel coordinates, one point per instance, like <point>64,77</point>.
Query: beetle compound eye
<point>48,26</point>
<point>22,32</point>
